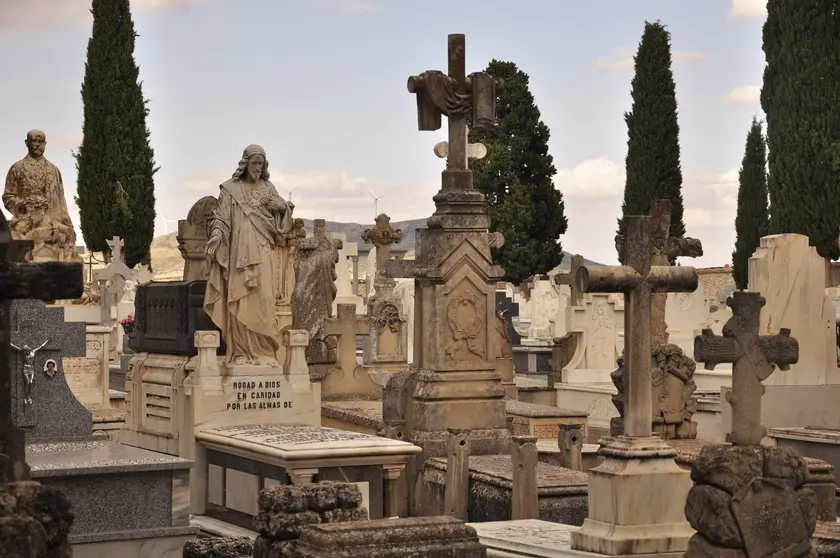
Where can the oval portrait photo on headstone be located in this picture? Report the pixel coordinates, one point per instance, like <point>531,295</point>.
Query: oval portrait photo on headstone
<point>50,368</point>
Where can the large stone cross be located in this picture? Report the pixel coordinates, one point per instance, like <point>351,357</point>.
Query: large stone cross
<point>346,326</point>
<point>383,235</point>
<point>638,279</point>
<point>664,248</point>
<point>453,96</point>
<point>45,281</point>
<point>753,356</point>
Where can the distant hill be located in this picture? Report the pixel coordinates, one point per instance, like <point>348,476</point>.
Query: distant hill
<point>168,264</point>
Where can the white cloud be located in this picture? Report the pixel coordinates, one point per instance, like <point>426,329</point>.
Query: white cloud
<point>41,14</point>
<point>623,60</point>
<point>747,9</point>
<point>749,95</point>
<point>593,192</point>
<point>332,195</point>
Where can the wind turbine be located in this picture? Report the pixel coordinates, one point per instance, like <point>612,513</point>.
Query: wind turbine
<point>375,203</point>
<point>165,222</point>
<point>289,192</point>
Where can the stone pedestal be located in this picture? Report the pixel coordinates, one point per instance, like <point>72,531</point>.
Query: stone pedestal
<point>636,501</point>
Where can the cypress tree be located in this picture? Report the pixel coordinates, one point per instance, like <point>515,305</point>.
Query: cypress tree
<point>115,151</point>
<point>752,221</point>
<point>653,147</point>
<point>801,99</point>
<point>516,177</point>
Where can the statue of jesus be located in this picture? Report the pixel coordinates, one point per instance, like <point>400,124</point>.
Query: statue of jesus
<point>34,195</point>
<point>249,223</point>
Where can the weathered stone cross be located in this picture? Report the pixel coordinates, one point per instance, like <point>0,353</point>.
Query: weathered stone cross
<point>320,239</point>
<point>753,356</point>
<point>45,281</point>
<point>638,279</point>
<point>117,270</point>
<point>383,235</point>
<point>664,248</point>
<point>346,326</point>
<point>454,95</point>
<point>474,150</point>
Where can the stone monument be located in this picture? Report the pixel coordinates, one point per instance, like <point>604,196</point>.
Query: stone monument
<point>673,375</point>
<point>749,500</point>
<point>250,221</point>
<point>627,511</point>
<point>386,348</point>
<point>454,371</point>
<point>34,196</point>
<point>193,233</point>
<point>314,293</point>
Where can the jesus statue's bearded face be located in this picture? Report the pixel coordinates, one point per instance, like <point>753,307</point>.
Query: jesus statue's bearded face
<point>255,167</point>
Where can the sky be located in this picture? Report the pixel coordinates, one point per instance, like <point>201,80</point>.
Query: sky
<point>321,85</point>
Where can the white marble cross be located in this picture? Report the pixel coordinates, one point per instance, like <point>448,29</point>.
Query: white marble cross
<point>474,150</point>
<point>116,244</point>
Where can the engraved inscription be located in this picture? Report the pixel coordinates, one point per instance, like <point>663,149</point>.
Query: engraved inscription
<point>258,396</point>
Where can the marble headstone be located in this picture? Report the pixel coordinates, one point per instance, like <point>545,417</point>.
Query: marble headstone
<point>54,412</point>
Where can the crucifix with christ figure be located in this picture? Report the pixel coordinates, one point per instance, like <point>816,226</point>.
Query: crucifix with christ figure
<point>639,280</point>
<point>45,281</point>
<point>454,96</point>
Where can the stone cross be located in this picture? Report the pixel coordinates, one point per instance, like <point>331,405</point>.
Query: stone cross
<point>474,150</point>
<point>454,95</point>
<point>569,279</point>
<point>638,280</point>
<point>383,235</point>
<point>664,248</point>
<point>346,326</point>
<point>753,357</point>
<point>45,281</point>
<point>319,237</point>
<point>116,270</point>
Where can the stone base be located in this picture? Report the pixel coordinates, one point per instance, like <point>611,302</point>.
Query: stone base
<point>531,538</point>
<point>170,546</point>
<point>628,514</point>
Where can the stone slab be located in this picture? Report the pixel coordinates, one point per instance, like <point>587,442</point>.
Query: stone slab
<point>356,416</point>
<point>58,459</point>
<point>533,538</point>
<point>289,443</point>
<point>533,419</point>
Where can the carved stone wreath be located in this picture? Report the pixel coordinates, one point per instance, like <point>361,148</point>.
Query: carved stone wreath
<point>389,316</point>
<point>464,334</point>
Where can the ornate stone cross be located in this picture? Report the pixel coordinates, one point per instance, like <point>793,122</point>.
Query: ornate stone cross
<point>638,280</point>
<point>116,270</point>
<point>383,235</point>
<point>753,356</point>
<point>45,281</point>
<point>664,248</point>
<point>454,95</point>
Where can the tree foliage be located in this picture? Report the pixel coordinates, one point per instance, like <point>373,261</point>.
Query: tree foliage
<point>115,162</point>
<point>653,148</point>
<point>801,99</point>
<point>753,220</point>
<point>516,178</point>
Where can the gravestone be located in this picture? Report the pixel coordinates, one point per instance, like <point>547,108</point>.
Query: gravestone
<point>344,286</point>
<point>347,380</point>
<point>111,279</point>
<point>54,411</point>
<point>749,500</point>
<point>509,309</point>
